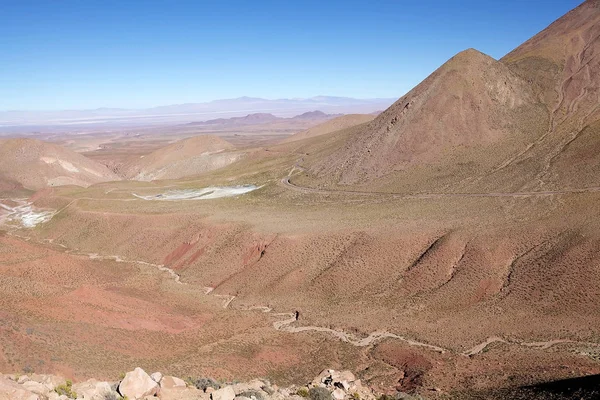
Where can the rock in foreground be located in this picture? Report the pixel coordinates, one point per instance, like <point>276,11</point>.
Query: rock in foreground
<point>138,385</point>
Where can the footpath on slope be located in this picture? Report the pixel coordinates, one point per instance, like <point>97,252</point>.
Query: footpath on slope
<point>287,321</point>
<point>288,324</point>
<point>285,182</point>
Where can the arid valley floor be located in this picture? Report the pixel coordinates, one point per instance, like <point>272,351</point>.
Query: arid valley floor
<point>448,245</point>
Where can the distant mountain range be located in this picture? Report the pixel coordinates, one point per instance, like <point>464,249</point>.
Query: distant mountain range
<point>190,112</point>
<point>265,118</point>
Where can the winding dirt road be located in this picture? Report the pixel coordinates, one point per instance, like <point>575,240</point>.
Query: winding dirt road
<point>285,182</point>
<point>287,324</point>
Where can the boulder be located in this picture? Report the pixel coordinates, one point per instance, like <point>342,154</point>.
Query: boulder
<point>278,396</point>
<point>156,376</point>
<point>92,390</point>
<point>186,393</point>
<point>50,381</point>
<point>36,387</point>
<point>10,390</point>
<point>325,375</point>
<point>137,384</point>
<point>253,394</point>
<point>56,396</point>
<point>255,385</point>
<point>343,376</point>
<point>338,394</point>
<point>225,393</point>
<point>172,382</point>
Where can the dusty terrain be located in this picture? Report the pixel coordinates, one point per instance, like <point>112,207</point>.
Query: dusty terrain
<point>122,150</point>
<point>449,246</point>
<point>187,157</point>
<point>333,125</point>
<point>35,165</point>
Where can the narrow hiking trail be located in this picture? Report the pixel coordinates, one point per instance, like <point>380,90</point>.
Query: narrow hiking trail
<point>285,182</point>
<point>286,326</point>
<point>287,322</point>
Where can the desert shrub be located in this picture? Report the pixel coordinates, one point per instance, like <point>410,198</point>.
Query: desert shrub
<point>400,396</point>
<point>355,396</point>
<point>319,393</point>
<point>252,393</point>
<point>203,383</point>
<point>66,390</point>
<point>302,392</point>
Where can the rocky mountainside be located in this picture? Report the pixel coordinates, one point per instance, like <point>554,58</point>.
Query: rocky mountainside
<point>563,67</point>
<point>469,102</point>
<point>525,122</point>
<point>333,125</point>
<point>138,385</point>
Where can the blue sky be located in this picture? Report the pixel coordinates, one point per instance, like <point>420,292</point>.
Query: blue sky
<point>79,54</point>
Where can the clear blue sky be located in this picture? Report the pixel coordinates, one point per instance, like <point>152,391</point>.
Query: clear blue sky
<point>76,54</point>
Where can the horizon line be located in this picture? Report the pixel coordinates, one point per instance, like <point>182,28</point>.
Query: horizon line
<point>197,103</point>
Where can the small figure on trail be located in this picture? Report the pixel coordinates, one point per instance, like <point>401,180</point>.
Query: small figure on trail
<point>297,314</point>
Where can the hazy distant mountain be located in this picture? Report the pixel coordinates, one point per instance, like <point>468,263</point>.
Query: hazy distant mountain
<point>183,113</point>
<point>257,118</point>
<point>265,118</point>
<point>315,115</point>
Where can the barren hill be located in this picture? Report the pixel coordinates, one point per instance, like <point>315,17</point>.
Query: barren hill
<point>35,164</point>
<point>336,124</point>
<point>469,102</point>
<point>184,158</point>
<point>562,64</point>
<point>526,122</point>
